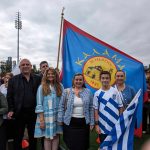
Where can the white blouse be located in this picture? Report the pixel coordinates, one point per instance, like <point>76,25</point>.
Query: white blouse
<point>78,108</point>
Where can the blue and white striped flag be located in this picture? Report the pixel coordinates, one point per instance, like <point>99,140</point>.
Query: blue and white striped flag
<point>121,135</point>
<point>108,111</point>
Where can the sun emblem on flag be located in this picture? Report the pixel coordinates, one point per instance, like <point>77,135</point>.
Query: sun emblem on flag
<point>94,66</point>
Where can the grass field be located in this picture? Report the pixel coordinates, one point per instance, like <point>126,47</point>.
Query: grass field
<point>138,142</point>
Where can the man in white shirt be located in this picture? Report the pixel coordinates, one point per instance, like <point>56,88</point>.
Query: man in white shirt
<point>107,105</point>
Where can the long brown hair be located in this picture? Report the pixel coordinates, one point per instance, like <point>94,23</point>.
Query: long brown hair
<point>46,84</point>
<point>9,74</point>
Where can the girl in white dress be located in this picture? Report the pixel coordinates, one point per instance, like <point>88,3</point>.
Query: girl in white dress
<point>48,97</point>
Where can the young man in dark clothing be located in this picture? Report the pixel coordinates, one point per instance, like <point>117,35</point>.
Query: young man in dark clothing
<point>43,67</point>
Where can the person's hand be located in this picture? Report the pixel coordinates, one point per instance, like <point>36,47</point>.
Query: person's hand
<point>10,114</point>
<point>60,123</point>
<point>42,124</point>
<point>97,129</point>
<point>91,127</point>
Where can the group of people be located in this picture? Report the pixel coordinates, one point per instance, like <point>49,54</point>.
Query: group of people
<point>42,105</point>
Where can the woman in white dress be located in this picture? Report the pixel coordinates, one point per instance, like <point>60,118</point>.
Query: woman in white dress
<point>48,97</point>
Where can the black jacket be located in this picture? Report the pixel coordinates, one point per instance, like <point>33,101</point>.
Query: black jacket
<point>3,107</point>
<point>15,92</point>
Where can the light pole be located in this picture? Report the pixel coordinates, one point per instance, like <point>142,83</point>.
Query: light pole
<point>18,25</point>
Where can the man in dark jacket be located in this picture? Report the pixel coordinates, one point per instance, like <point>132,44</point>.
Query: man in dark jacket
<point>21,96</point>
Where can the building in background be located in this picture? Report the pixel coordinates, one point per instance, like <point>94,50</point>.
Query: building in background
<point>7,65</point>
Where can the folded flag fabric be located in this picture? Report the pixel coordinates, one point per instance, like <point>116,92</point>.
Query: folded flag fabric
<point>122,134</point>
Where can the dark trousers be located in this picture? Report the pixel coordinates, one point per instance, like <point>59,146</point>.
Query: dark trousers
<point>2,137</point>
<point>9,125</point>
<point>146,110</point>
<point>26,119</point>
<point>42,142</point>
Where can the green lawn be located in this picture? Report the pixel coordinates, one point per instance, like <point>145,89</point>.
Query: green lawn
<point>138,142</point>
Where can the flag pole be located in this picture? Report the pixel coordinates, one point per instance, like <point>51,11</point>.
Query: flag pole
<point>60,36</point>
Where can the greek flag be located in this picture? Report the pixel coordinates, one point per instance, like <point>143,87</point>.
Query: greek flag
<point>110,114</point>
<point>122,134</point>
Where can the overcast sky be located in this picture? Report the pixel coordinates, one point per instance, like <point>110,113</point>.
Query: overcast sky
<point>124,24</point>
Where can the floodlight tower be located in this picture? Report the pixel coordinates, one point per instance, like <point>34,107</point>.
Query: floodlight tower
<point>18,26</point>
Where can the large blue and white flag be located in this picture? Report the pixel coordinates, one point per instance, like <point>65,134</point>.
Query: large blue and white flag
<point>83,53</point>
<point>108,109</point>
<point>121,136</point>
